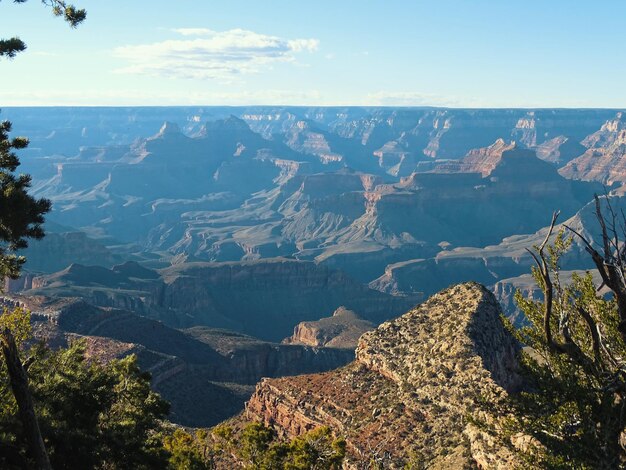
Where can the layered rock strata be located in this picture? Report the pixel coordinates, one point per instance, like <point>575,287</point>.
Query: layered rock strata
<point>410,393</point>
<point>342,330</point>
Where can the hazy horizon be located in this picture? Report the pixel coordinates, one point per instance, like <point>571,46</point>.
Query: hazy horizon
<point>330,106</point>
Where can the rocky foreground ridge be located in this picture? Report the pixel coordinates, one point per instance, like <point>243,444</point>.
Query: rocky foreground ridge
<point>408,395</point>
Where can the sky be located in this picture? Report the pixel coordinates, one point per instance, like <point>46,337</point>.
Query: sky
<point>462,53</point>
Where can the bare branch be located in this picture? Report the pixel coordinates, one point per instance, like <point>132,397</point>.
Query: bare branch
<point>595,334</point>
<point>548,293</point>
<point>605,236</point>
<point>555,216</point>
<point>588,245</point>
<point>534,257</point>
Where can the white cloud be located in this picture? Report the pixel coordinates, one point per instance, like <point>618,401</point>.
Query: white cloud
<point>299,45</point>
<point>208,54</point>
<point>413,98</point>
<point>139,97</point>
<point>194,31</point>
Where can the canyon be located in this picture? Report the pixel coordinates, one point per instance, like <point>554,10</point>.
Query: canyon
<point>205,373</point>
<point>267,240</point>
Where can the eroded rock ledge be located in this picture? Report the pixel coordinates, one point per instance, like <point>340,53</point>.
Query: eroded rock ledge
<point>415,382</point>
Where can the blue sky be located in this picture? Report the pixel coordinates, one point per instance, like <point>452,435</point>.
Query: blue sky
<point>463,53</point>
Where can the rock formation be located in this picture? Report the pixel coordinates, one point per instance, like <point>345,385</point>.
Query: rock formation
<point>408,395</point>
<point>237,165</point>
<point>507,261</point>
<point>342,330</point>
<point>483,160</point>
<point>58,250</point>
<point>605,159</point>
<point>307,140</point>
<point>355,189</point>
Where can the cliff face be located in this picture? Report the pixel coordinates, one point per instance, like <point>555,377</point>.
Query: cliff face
<point>273,182</point>
<point>57,250</point>
<point>264,298</point>
<point>342,330</point>
<point>302,138</point>
<point>483,160</point>
<point>356,189</point>
<point>267,298</point>
<point>605,157</point>
<point>462,207</point>
<point>412,386</point>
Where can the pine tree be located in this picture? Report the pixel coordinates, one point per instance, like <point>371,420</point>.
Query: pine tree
<point>11,47</point>
<point>21,218</point>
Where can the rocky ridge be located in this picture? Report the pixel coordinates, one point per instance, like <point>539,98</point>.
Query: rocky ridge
<point>411,389</point>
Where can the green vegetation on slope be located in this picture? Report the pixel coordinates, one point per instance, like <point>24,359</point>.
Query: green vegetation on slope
<point>574,409</point>
<point>256,447</point>
<point>90,415</point>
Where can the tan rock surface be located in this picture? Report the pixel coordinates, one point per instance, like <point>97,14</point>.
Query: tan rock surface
<point>415,382</point>
<point>605,159</point>
<point>342,330</point>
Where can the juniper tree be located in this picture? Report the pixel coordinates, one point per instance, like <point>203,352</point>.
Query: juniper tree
<point>575,405</point>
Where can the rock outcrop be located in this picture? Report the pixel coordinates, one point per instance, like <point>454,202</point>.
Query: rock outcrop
<point>483,160</point>
<point>411,389</point>
<point>342,330</point>
<point>605,159</point>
